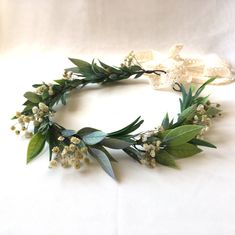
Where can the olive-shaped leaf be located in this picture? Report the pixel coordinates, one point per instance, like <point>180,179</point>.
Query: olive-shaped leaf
<point>68,133</point>
<point>103,160</point>
<point>182,134</point>
<point>187,113</point>
<point>202,143</point>
<point>164,158</point>
<point>165,122</point>
<point>86,130</point>
<point>133,153</point>
<point>35,146</point>
<point>184,150</point>
<point>34,98</point>
<point>114,143</point>
<point>83,66</point>
<point>94,137</point>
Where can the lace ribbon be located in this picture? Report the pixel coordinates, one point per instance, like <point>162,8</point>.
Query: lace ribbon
<point>184,69</point>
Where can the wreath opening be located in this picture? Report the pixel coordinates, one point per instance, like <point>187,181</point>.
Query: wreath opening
<point>173,139</point>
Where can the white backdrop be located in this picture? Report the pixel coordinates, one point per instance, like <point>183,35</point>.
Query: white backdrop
<point>35,39</point>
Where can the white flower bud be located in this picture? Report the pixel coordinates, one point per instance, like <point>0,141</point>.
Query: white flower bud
<point>152,153</point>
<point>61,138</point>
<point>26,119</point>
<point>18,114</point>
<point>35,110</point>
<point>200,107</point>
<point>56,149</point>
<point>51,92</point>
<point>43,107</point>
<point>75,140</point>
<point>72,147</point>
<point>77,165</point>
<point>53,164</point>
<point>40,120</point>
<point>158,143</point>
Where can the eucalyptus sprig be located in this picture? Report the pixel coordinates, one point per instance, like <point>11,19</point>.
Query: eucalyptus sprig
<point>172,140</point>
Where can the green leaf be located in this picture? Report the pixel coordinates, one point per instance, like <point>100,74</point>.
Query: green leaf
<point>187,113</point>
<point>103,160</point>
<point>111,158</point>
<point>84,68</point>
<point>187,101</point>
<point>28,108</point>
<point>133,153</point>
<point>202,87</point>
<point>61,81</point>
<point>115,143</point>
<point>201,100</point>
<point>68,133</point>
<point>139,74</point>
<point>73,69</point>
<point>86,130</point>
<point>37,85</point>
<point>184,150</point>
<point>109,68</point>
<point>45,95</point>
<point>165,122</point>
<point>80,63</point>
<point>63,98</point>
<point>27,102</point>
<point>32,97</point>
<point>135,68</point>
<point>94,137</point>
<point>182,134</point>
<point>164,158</point>
<point>52,141</point>
<point>163,133</point>
<point>97,69</point>
<point>202,143</point>
<point>35,146</point>
<point>128,129</point>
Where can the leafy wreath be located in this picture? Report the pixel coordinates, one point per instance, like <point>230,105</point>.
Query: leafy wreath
<point>172,140</point>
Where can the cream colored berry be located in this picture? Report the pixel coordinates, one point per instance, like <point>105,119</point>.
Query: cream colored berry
<point>18,114</point>
<point>43,107</point>
<point>51,92</point>
<point>56,149</point>
<point>75,140</point>
<point>72,147</point>
<point>77,165</point>
<point>61,138</point>
<point>35,110</point>
<point>79,154</point>
<point>21,119</point>
<point>65,163</point>
<point>17,132</point>
<point>152,153</point>
<point>40,120</point>
<point>26,119</point>
<point>53,164</point>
